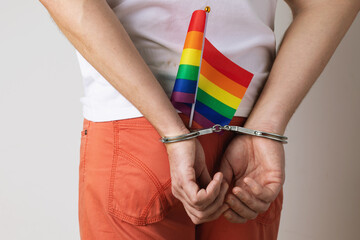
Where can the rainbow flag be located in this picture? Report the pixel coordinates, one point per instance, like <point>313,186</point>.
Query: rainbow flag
<point>209,86</point>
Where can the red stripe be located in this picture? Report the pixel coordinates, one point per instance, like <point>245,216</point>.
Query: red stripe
<point>197,22</point>
<point>224,65</point>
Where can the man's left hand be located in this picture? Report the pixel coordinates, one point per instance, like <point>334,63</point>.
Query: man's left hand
<point>256,166</point>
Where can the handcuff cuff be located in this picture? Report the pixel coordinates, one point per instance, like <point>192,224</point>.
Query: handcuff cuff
<point>218,128</point>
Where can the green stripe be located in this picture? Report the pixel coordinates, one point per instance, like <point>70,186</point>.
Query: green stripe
<point>215,104</point>
<point>188,72</point>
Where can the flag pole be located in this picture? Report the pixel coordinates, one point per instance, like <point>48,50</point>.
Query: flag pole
<point>207,10</point>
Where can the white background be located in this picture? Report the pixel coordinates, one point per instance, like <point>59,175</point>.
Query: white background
<point>41,120</point>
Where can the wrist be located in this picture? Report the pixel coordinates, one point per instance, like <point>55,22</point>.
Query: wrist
<point>174,147</point>
<point>175,131</point>
<point>265,126</point>
<point>270,119</point>
<point>170,125</point>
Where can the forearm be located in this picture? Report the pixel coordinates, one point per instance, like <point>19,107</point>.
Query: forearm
<point>94,30</point>
<point>309,43</point>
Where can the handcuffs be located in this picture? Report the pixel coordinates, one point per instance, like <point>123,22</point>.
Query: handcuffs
<point>218,128</point>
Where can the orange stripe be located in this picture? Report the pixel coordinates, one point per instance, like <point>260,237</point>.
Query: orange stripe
<point>194,39</point>
<point>221,80</point>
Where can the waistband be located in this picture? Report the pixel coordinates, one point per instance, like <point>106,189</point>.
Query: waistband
<point>143,122</point>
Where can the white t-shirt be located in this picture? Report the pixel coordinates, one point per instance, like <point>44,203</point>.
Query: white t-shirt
<point>241,29</point>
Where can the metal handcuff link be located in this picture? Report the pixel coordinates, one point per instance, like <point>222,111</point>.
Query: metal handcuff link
<point>218,128</point>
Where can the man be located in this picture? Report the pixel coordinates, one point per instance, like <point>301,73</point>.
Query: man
<point>124,177</point>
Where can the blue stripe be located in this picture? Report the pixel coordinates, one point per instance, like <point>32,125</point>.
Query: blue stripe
<point>210,114</point>
<point>184,85</point>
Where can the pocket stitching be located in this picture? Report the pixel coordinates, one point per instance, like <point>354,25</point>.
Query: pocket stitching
<point>142,220</point>
<point>165,204</point>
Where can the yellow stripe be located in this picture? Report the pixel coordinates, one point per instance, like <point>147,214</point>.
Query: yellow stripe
<point>218,93</point>
<point>191,57</point>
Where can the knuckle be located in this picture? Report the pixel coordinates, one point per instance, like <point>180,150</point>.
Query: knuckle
<point>195,220</point>
<point>200,215</point>
<point>246,200</point>
<point>240,210</point>
<point>193,200</point>
<point>252,205</point>
<point>197,202</point>
<point>199,207</point>
<point>257,192</point>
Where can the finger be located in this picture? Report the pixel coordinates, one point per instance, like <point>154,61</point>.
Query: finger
<point>250,201</point>
<point>218,213</point>
<point>192,213</point>
<point>180,194</point>
<point>267,193</point>
<point>204,197</point>
<point>212,208</point>
<point>231,216</point>
<point>212,211</point>
<point>198,218</point>
<point>193,218</point>
<point>188,185</point>
<point>213,189</point>
<point>240,208</point>
<point>189,190</point>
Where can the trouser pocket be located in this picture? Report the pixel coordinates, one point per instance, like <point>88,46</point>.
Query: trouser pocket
<point>140,182</point>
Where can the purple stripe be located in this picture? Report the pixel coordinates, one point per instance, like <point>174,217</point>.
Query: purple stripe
<point>185,109</point>
<point>183,97</point>
<point>203,121</point>
<point>198,118</point>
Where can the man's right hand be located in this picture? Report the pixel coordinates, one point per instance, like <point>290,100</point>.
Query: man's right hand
<point>187,165</point>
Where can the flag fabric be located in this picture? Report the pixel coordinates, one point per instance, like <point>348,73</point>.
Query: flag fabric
<point>189,68</point>
<point>209,87</point>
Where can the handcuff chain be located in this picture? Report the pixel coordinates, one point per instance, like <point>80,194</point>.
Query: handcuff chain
<point>218,128</point>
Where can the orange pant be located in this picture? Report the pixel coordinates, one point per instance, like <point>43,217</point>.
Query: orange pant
<point>125,187</point>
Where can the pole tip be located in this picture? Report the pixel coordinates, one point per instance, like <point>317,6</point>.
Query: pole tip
<point>207,9</point>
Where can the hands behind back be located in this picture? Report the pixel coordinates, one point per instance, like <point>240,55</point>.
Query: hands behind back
<point>256,166</point>
<point>187,169</point>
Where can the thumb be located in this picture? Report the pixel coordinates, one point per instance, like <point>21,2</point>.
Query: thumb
<point>226,169</point>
